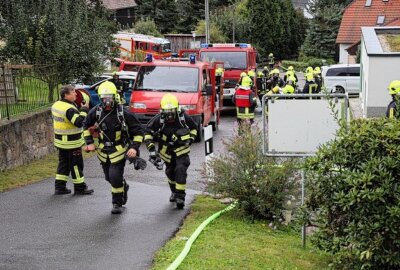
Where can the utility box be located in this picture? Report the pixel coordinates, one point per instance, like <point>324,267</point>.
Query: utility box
<point>380,62</point>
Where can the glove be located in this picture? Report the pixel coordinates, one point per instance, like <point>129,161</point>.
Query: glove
<point>138,163</point>
<point>156,160</point>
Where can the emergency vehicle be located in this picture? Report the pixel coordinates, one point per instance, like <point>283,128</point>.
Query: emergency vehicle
<point>131,42</point>
<point>237,58</point>
<point>192,82</point>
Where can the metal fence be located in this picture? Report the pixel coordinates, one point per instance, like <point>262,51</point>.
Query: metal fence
<point>26,88</point>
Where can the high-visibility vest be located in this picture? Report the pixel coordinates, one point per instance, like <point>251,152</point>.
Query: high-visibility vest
<point>66,134</point>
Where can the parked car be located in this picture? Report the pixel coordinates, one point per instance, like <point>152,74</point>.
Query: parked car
<point>128,77</point>
<point>342,78</point>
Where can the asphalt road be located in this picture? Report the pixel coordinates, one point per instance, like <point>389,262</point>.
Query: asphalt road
<point>42,231</point>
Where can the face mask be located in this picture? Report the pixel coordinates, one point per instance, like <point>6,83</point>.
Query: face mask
<point>107,103</point>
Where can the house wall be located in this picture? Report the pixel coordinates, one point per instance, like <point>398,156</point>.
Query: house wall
<point>364,75</point>
<point>343,54</point>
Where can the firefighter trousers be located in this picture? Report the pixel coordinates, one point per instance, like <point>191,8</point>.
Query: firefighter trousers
<point>70,162</point>
<point>114,174</point>
<point>176,172</point>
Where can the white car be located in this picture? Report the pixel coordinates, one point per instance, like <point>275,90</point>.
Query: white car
<point>342,78</point>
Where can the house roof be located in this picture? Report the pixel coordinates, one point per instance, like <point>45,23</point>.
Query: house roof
<point>119,4</point>
<point>357,15</point>
<point>373,45</point>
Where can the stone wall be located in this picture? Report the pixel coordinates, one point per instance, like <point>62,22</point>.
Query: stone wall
<point>25,138</point>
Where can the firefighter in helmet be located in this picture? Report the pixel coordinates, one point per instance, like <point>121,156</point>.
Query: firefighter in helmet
<point>68,122</point>
<point>271,61</point>
<point>245,102</point>
<point>392,109</point>
<point>174,131</point>
<point>120,136</point>
<point>274,80</point>
<point>318,78</point>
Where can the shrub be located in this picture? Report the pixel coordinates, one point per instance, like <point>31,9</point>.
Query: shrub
<point>261,184</point>
<point>353,185</point>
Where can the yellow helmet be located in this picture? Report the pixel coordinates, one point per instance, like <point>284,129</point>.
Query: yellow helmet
<point>309,70</point>
<point>275,71</point>
<point>288,89</point>
<point>289,73</point>
<point>271,54</point>
<point>246,82</point>
<point>317,70</point>
<point>243,74</point>
<point>394,87</point>
<point>169,102</point>
<point>251,73</point>
<point>291,80</point>
<point>290,68</point>
<point>260,74</point>
<point>219,71</point>
<point>107,88</point>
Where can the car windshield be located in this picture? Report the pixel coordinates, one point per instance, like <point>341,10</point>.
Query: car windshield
<point>166,48</point>
<point>164,78</point>
<point>232,60</point>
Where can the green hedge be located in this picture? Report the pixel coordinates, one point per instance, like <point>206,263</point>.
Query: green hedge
<point>354,192</point>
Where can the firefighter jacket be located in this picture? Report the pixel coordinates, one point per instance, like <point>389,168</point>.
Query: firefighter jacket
<point>67,123</point>
<point>245,102</point>
<point>271,83</point>
<point>310,87</point>
<point>392,111</point>
<point>174,138</point>
<point>119,130</point>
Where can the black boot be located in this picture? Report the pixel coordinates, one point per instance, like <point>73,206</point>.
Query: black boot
<point>180,199</point>
<point>61,188</point>
<point>172,187</point>
<point>172,198</point>
<point>126,189</point>
<point>117,209</point>
<point>82,189</point>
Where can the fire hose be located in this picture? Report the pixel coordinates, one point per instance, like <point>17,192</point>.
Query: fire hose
<point>194,236</point>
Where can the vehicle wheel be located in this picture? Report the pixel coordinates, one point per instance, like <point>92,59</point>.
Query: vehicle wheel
<point>339,90</point>
<point>200,135</point>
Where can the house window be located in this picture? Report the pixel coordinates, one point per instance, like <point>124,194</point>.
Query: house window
<point>380,20</point>
<point>368,3</point>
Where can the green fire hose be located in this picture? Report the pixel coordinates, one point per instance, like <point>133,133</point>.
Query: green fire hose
<point>194,236</point>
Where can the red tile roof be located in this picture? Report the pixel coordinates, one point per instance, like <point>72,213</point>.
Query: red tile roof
<point>119,4</point>
<point>357,15</point>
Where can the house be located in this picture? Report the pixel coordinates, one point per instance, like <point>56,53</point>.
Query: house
<point>123,11</point>
<point>379,65</point>
<point>364,13</point>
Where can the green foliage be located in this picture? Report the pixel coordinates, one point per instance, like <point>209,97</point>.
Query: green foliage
<point>355,195</point>
<point>74,34</point>
<point>163,12</point>
<point>215,34</point>
<point>274,26</point>
<point>261,184</point>
<point>306,62</point>
<point>146,27</point>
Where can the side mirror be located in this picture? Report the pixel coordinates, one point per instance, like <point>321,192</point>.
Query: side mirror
<point>207,91</point>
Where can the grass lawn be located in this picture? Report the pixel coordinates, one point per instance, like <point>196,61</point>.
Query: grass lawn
<point>35,171</point>
<point>231,242</point>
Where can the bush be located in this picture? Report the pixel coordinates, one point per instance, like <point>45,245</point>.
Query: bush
<point>354,191</point>
<point>262,185</point>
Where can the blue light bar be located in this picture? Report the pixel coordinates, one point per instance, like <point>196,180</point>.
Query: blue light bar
<point>243,45</point>
<point>192,59</point>
<point>149,57</point>
<point>204,45</point>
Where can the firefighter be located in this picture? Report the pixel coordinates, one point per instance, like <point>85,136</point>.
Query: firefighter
<point>271,61</point>
<point>242,75</point>
<point>219,74</point>
<point>245,102</point>
<point>175,131</point>
<point>310,87</point>
<point>119,136</point>
<point>252,76</point>
<point>318,78</point>
<point>68,122</point>
<point>394,91</point>
<point>290,72</point>
<point>290,85</point>
<point>274,80</point>
<point>266,72</point>
<point>260,84</point>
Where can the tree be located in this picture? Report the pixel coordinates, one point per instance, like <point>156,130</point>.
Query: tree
<point>190,12</point>
<point>320,41</point>
<point>216,35</point>
<point>146,27</point>
<point>162,12</point>
<point>73,34</point>
<point>275,27</point>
